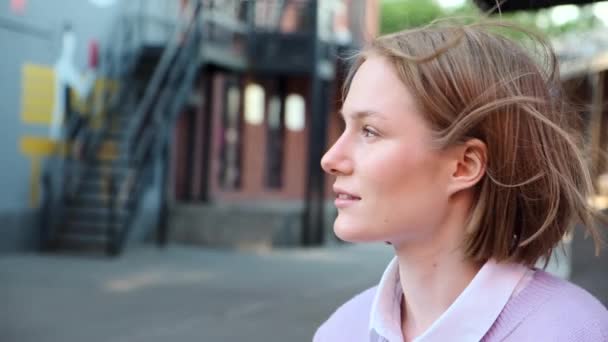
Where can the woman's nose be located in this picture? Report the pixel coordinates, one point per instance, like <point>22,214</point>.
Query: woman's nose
<point>336,162</point>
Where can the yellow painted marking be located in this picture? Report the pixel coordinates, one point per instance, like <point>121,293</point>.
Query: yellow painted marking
<point>37,102</point>
<point>35,146</point>
<point>97,121</point>
<point>38,147</point>
<point>35,117</point>
<point>37,94</point>
<point>108,151</point>
<point>42,72</point>
<point>101,85</point>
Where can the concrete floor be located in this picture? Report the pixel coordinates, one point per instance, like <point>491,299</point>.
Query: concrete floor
<point>181,294</point>
<point>194,294</point>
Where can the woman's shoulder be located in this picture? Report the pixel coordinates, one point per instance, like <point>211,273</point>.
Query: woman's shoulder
<point>553,305</point>
<point>350,321</point>
<point>568,298</point>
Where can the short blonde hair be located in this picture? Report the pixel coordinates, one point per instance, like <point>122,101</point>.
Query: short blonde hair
<point>473,81</point>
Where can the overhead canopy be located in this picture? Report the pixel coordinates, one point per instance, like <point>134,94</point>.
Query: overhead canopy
<point>519,5</point>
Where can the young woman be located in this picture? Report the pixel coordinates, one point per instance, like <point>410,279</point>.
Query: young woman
<point>460,151</point>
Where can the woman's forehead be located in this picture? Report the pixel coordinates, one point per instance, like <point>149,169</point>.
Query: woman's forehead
<point>376,87</point>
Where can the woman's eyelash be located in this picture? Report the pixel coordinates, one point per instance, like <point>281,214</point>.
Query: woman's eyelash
<point>367,132</point>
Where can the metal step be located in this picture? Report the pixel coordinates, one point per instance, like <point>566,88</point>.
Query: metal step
<point>90,225</point>
<point>103,171</point>
<point>120,159</point>
<point>93,184</point>
<point>119,135</point>
<point>79,238</point>
<point>81,230</point>
<point>119,128</point>
<point>119,125</point>
<point>106,169</point>
<point>96,200</point>
<point>89,199</point>
<point>94,214</point>
<point>101,184</point>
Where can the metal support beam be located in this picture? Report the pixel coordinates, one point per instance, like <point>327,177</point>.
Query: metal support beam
<point>207,115</point>
<point>314,213</point>
<point>163,213</point>
<point>596,123</point>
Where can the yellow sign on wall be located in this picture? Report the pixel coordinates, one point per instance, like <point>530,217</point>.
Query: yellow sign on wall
<point>37,94</point>
<point>37,105</point>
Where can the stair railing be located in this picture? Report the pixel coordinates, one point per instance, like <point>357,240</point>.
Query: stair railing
<point>166,92</point>
<point>62,173</point>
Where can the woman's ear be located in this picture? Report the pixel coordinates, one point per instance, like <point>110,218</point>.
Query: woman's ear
<point>467,165</point>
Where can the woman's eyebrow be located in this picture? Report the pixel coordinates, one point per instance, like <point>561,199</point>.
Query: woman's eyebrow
<point>359,115</point>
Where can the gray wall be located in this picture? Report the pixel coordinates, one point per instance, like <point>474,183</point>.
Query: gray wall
<point>17,219</point>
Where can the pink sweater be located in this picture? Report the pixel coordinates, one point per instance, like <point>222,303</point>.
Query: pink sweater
<point>547,309</point>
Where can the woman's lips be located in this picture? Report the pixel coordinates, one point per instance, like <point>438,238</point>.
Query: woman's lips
<point>344,200</point>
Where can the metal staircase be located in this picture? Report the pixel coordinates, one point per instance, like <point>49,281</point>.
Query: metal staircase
<point>92,199</point>
<point>92,213</point>
<point>95,195</point>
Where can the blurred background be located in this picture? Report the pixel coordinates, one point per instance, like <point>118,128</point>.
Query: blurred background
<point>160,161</point>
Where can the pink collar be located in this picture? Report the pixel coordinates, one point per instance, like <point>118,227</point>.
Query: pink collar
<point>467,319</point>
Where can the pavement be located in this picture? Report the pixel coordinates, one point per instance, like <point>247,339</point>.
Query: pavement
<point>197,294</point>
<point>181,293</point>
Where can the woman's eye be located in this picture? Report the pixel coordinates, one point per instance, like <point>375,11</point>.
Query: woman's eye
<point>368,133</point>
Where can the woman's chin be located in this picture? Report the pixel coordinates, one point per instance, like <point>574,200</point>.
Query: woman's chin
<point>353,232</point>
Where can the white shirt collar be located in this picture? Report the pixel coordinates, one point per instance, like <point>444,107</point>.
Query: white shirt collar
<point>484,298</point>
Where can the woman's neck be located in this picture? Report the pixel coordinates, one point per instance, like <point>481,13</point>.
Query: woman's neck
<point>430,285</point>
<point>433,273</point>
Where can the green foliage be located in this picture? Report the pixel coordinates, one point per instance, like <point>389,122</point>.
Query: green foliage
<point>399,15</point>
<point>531,19</point>
<point>402,14</point>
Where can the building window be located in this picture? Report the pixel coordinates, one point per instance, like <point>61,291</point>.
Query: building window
<point>295,112</point>
<point>230,163</point>
<point>274,144</point>
<point>254,104</point>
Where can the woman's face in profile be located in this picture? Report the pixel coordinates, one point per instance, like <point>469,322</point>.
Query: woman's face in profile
<point>389,182</point>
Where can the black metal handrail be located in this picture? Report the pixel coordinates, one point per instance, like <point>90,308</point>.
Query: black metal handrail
<point>166,92</point>
<point>145,109</point>
<point>112,245</point>
<point>46,224</point>
<point>119,66</point>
